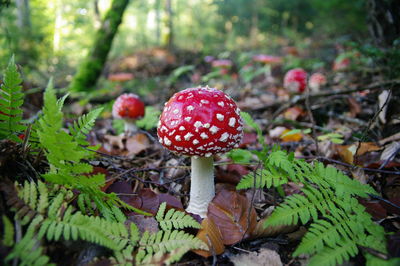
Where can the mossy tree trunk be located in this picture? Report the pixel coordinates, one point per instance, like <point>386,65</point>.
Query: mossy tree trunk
<point>89,71</point>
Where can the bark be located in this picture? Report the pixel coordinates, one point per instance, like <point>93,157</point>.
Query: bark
<point>158,22</point>
<point>90,70</point>
<point>170,24</point>
<point>384,21</point>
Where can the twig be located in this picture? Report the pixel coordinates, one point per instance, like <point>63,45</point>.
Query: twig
<point>319,158</point>
<point>302,98</point>
<point>310,115</point>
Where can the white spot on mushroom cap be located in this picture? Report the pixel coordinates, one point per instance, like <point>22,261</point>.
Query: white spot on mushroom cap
<point>232,122</point>
<point>178,138</point>
<point>188,118</point>
<point>198,124</point>
<point>224,137</point>
<point>214,130</point>
<point>220,117</point>
<point>195,142</point>
<point>176,111</point>
<point>182,128</point>
<point>221,103</point>
<point>190,108</point>
<point>188,136</point>
<point>204,135</point>
<point>167,142</point>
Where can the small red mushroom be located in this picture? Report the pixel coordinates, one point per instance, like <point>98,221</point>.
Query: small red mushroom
<point>200,122</point>
<point>341,63</point>
<point>316,81</point>
<point>295,80</point>
<point>267,59</point>
<point>121,77</point>
<point>128,107</point>
<point>222,63</point>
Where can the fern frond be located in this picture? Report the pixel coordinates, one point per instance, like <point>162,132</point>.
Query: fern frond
<point>335,255</point>
<point>166,242</point>
<point>341,183</point>
<point>174,219</point>
<point>8,238</point>
<point>11,100</point>
<point>83,125</point>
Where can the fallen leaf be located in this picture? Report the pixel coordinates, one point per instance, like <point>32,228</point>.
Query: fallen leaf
<point>295,137</point>
<point>136,144</point>
<point>293,113</point>
<point>210,234</point>
<point>262,257</point>
<point>374,208</point>
<point>355,107</point>
<point>144,223</point>
<point>233,214</point>
<point>261,231</point>
<point>125,146</point>
<point>347,152</point>
<point>145,200</point>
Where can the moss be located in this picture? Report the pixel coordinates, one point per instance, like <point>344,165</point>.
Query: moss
<point>89,71</point>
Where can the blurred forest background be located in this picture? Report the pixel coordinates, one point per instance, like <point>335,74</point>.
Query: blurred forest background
<point>51,38</point>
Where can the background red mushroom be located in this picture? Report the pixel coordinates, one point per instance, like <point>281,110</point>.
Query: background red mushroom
<point>295,80</point>
<point>128,107</point>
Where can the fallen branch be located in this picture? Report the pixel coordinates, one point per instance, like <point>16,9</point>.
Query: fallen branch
<point>301,98</point>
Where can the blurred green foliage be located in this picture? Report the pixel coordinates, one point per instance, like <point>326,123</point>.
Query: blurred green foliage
<point>61,32</point>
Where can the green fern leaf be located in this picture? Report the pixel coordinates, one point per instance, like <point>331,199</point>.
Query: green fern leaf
<point>83,125</point>
<point>174,219</point>
<point>335,255</point>
<point>11,100</point>
<point>8,238</point>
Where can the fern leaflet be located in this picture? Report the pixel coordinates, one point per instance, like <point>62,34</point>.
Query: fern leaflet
<point>11,100</point>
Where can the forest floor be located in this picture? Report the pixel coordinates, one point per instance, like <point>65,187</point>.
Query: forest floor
<point>352,123</point>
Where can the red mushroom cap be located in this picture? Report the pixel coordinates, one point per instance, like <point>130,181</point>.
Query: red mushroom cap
<point>341,63</point>
<point>200,122</point>
<point>267,59</point>
<point>317,80</point>
<point>128,106</point>
<point>123,76</point>
<point>295,80</point>
<point>223,63</point>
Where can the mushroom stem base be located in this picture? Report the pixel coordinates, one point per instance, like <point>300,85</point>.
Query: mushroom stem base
<point>202,188</point>
<point>130,128</point>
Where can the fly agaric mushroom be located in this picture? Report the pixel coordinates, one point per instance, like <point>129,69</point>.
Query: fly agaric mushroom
<point>221,63</point>
<point>200,122</point>
<point>317,80</point>
<point>295,80</point>
<point>128,107</point>
<point>267,59</point>
<point>341,63</point>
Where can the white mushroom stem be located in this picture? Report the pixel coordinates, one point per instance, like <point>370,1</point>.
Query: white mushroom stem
<point>202,189</point>
<point>130,127</point>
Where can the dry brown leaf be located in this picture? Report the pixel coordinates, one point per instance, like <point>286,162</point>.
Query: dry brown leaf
<point>136,144</point>
<point>261,231</point>
<point>263,257</point>
<point>210,234</point>
<point>296,137</point>
<point>233,214</point>
<point>293,113</point>
<point>347,152</point>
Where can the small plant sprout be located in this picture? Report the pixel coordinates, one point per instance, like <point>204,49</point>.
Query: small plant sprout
<point>128,107</point>
<point>317,80</point>
<point>200,122</point>
<point>295,80</point>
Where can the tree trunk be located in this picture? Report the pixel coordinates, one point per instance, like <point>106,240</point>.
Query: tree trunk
<point>90,70</point>
<point>158,22</point>
<point>384,21</point>
<point>170,24</point>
